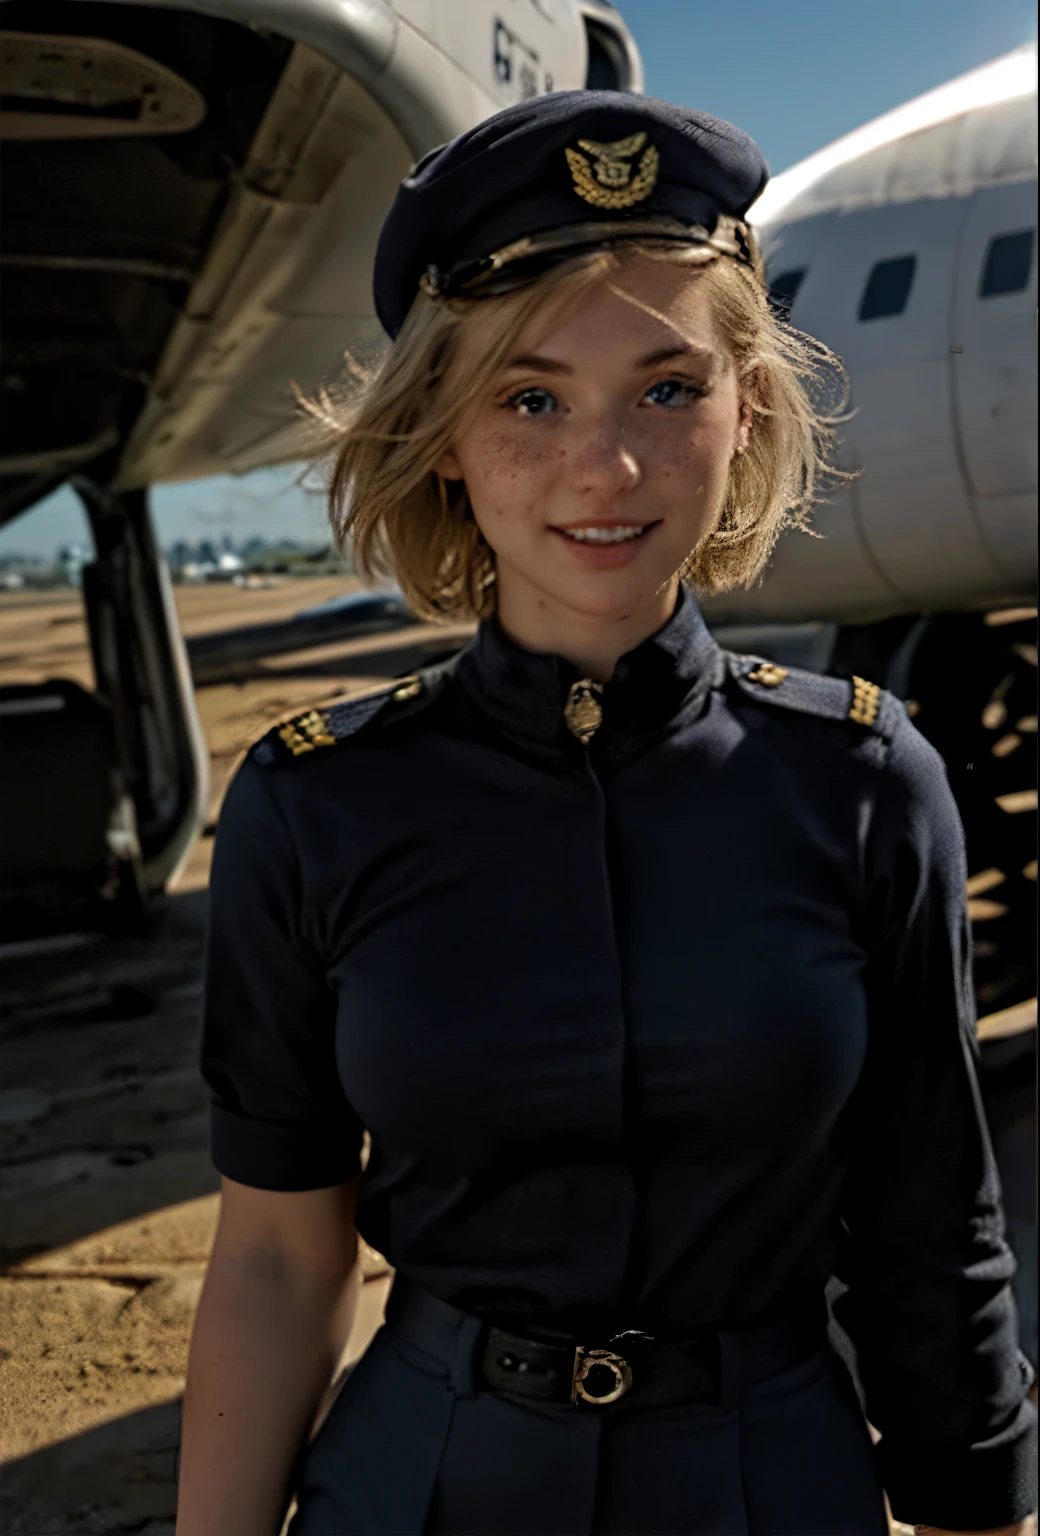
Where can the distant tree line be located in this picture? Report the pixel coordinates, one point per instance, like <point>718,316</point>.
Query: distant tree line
<point>205,560</point>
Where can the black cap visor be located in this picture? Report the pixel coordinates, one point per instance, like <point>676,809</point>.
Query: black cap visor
<point>525,260</point>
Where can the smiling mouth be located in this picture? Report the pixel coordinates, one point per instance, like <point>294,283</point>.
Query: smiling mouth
<point>620,533</point>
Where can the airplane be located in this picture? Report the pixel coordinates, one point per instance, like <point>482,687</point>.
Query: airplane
<point>192,194</point>
<point>909,248</point>
<point>175,252</point>
<point>222,654</point>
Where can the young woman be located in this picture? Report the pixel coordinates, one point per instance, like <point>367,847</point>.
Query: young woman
<point>644,966</point>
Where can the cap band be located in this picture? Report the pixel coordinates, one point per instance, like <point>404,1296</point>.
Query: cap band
<point>525,260</point>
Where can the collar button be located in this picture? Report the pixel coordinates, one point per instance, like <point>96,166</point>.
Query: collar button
<point>583,712</point>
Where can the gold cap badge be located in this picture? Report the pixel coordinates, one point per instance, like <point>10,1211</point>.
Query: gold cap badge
<point>611,179</point>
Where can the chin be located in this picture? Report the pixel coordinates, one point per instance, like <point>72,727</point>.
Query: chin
<point>607,600</point>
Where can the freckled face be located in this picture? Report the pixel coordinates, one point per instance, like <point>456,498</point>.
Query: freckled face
<point>599,457</point>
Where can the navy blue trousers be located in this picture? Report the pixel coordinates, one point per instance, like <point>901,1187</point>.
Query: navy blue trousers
<point>413,1448</point>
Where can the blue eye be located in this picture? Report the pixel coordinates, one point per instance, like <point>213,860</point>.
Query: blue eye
<point>532,402</point>
<point>673,392</point>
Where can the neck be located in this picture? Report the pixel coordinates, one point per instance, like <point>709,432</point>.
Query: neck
<point>590,643</point>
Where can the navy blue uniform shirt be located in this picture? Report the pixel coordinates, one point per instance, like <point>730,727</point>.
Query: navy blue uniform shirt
<point>656,1032</point>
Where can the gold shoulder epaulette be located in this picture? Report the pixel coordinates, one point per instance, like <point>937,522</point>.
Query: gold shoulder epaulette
<point>305,732</point>
<point>811,693</point>
<point>326,725</point>
<point>866,701</point>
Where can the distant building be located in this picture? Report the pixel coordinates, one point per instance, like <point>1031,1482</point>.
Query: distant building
<point>70,562</point>
<point>253,549</point>
<point>179,554</point>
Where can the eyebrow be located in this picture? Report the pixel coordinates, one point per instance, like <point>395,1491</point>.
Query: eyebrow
<point>538,364</point>
<point>668,354</point>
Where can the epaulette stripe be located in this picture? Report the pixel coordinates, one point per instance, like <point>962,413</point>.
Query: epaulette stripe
<point>866,700</point>
<point>300,735</point>
<point>812,693</point>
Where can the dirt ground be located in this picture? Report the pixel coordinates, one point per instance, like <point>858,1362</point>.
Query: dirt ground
<point>108,1201</point>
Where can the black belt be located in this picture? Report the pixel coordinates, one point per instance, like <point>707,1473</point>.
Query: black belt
<point>528,1361</point>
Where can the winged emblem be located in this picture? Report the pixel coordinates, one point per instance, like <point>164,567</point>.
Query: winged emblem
<point>612,178</point>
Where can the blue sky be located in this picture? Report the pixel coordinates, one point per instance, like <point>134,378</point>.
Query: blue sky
<point>795,73</point>
<point>798,73</point>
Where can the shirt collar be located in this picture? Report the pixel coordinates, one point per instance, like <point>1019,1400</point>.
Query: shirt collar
<point>524,692</point>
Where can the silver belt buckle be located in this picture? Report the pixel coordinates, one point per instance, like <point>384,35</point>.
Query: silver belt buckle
<point>585,1361</point>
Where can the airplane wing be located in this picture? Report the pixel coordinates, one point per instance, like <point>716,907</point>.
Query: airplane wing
<point>192,199</point>
<point>192,194</point>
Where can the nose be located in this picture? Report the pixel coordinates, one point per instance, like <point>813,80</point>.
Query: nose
<point>603,462</point>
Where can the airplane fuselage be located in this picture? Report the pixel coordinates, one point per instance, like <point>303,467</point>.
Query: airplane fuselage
<point>915,262</point>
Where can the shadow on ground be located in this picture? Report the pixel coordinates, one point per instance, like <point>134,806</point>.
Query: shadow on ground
<point>107,1208</point>
<point>383,656</point>
<point>121,1476</point>
<point>102,1115</point>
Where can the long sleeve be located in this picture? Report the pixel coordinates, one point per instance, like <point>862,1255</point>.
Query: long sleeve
<point>929,1306</point>
<point>279,1119</point>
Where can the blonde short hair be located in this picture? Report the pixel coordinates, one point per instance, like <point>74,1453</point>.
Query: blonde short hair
<point>389,431</point>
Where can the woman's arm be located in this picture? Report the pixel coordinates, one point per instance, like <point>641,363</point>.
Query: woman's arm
<point>929,1306</point>
<point>275,1313</point>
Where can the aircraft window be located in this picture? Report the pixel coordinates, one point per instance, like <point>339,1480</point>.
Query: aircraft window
<point>1009,261</point>
<point>607,68</point>
<point>888,288</point>
<point>783,289</point>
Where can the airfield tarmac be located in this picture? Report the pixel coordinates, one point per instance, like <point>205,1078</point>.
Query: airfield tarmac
<point>109,1201</point>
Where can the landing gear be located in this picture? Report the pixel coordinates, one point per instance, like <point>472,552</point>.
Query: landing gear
<point>972,690</point>
<point>103,791</point>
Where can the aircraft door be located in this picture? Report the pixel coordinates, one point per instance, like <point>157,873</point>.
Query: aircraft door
<point>994,341</point>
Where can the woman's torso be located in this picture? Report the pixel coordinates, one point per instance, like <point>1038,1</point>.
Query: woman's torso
<point>599,1008</point>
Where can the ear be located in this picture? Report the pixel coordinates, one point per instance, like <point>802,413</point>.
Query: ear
<point>448,466</point>
<point>743,436</point>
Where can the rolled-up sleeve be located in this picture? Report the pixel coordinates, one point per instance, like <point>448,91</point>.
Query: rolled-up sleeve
<point>280,1119</point>
<point>929,1306</point>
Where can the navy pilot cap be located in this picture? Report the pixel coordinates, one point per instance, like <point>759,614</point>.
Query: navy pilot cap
<point>542,180</point>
